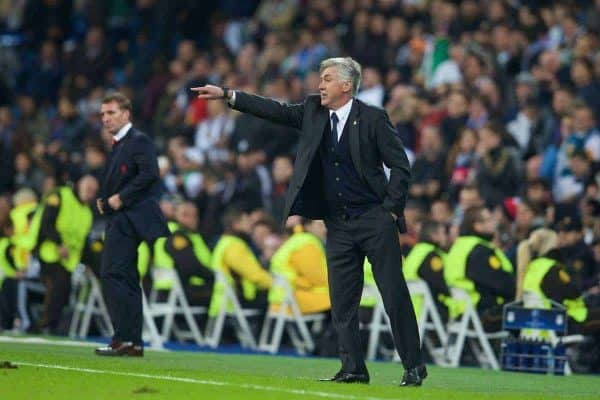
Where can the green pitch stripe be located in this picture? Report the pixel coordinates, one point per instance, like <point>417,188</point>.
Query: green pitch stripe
<point>201,382</point>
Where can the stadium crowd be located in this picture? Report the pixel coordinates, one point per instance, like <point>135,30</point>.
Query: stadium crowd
<point>496,102</point>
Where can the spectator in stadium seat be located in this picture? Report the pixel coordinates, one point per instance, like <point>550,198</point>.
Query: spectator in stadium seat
<point>457,106</point>
<point>497,170</point>
<point>233,256</point>
<point>65,222</point>
<point>426,261</point>
<point>577,257</point>
<point>283,169</point>
<point>186,252</point>
<point>429,168</point>
<point>542,272</point>
<point>9,273</point>
<point>476,265</point>
<point>301,261</point>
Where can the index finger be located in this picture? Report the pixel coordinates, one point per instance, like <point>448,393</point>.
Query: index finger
<point>197,88</point>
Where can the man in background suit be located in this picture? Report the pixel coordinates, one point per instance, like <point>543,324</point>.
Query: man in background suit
<point>339,177</point>
<point>129,197</point>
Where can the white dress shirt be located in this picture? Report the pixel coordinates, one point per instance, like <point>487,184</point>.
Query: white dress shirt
<point>342,113</point>
<point>122,132</point>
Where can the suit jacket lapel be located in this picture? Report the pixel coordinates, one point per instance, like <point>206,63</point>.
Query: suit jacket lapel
<point>321,119</point>
<point>116,153</point>
<point>353,123</point>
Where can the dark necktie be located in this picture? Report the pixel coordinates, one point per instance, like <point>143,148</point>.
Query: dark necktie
<point>334,122</point>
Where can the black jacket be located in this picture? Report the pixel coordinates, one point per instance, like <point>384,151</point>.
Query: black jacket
<point>132,171</point>
<point>373,141</point>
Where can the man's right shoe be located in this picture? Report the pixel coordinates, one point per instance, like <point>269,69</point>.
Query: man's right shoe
<point>346,377</point>
<point>414,376</point>
<point>116,349</point>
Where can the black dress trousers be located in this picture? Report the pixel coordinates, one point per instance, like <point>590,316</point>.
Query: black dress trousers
<point>121,281</point>
<point>373,234</point>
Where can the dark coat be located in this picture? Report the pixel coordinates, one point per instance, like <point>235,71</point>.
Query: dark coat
<point>373,142</point>
<point>132,171</point>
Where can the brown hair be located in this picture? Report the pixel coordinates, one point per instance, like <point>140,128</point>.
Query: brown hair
<point>471,217</point>
<point>119,98</point>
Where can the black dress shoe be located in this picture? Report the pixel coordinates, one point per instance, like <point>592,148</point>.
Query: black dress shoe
<point>121,349</point>
<point>414,376</point>
<point>346,377</point>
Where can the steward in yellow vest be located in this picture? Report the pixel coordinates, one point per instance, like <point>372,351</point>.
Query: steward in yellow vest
<point>186,251</point>
<point>426,261</point>
<point>301,260</point>
<point>65,222</point>
<point>22,218</point>
<point>543,274</point>
<point>9,273</point>
<point>479,267</point>
<point>233,256</point>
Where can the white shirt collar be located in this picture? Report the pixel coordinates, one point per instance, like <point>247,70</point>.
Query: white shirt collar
<point>342,113</point>
<point>123,131</point>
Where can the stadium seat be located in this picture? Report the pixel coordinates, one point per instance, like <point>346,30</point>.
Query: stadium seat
<point>429,320</point>
<point>229,306</point>
<point>150,331</point>
<point>175,304</point>
<point>459,331</point>
<point>87,303</point>
<point>288,315</point>
<point>31,283</point>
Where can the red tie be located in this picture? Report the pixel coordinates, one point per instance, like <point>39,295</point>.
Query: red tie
<point>114,141</point>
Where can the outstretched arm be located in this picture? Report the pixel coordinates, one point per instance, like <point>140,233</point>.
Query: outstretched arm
<point>275,111</point>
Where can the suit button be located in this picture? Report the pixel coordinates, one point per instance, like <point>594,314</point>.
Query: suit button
<point>337,164</point>
<point>340,194</point>
<point>337,178</point>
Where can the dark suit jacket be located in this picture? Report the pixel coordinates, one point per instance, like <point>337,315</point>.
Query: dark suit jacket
<point>132,171</point>
<point>373,141</point>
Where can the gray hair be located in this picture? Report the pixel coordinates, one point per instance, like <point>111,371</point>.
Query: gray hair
<point>347,68</point>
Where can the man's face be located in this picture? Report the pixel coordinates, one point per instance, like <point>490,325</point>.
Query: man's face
<point>525,216</point>
<point>441,237</point>
<point>334,92</point>
<point>469,198</point>
<point>88,187</point>
<point>486,223</point>
<point>583,120</point>
<point>113,117</point>
<point>187,216</point>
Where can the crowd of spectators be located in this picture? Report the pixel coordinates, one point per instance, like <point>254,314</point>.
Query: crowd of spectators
<point>496,101</point>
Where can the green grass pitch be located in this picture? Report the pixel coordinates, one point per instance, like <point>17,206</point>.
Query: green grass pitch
<point>49,371</point>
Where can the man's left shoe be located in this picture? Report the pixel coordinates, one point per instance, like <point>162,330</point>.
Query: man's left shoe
<point>414,376</point>
<point>121,349</point>
<point>346,377</point>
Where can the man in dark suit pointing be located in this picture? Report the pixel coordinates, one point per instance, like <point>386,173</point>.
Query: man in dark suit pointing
<point>129,197</point>
<point>339,177</point>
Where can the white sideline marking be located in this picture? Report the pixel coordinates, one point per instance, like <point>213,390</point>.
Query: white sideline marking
<point>202,381</point>
<point>38,340</point>
<point>58,342</point>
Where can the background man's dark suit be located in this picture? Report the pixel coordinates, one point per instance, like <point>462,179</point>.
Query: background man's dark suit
<point>132,172</point>
<point>352,233</point>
